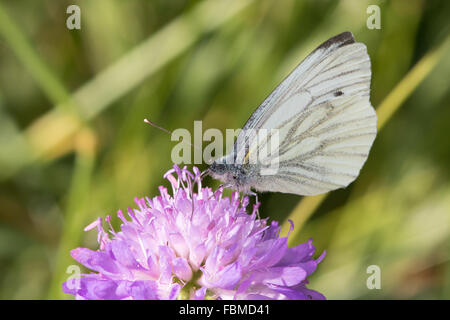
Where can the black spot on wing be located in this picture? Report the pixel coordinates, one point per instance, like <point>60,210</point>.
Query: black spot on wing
<point>338,93</point>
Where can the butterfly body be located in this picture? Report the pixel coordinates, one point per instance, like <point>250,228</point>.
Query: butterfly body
<point>320,121</point>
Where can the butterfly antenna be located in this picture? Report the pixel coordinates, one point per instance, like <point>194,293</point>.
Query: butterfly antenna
<point>156,126</point>
<point>169,132</point>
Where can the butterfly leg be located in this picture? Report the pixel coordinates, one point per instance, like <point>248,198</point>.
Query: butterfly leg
<point>220,187</point>
<point>251,193</point>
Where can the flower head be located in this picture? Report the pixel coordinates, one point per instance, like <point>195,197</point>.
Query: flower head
<point>193,246</point>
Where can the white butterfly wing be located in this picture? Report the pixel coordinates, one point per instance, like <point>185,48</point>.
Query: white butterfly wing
<point>324,119</point>
<point>325,151</point>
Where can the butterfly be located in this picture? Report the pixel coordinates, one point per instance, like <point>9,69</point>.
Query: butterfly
<point>317,127</point>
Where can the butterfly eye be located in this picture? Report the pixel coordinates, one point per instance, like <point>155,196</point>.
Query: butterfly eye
<point>217,167</point>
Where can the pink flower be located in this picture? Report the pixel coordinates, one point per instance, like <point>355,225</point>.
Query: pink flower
<point>194,246</point>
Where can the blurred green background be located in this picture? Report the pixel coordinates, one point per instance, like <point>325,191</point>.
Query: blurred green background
<point>74,146</point>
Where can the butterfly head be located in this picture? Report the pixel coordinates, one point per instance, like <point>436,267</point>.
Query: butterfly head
<point>233,175</point>
<point>221,171</point>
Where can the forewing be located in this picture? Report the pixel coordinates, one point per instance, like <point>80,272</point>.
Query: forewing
<point>325,121</point>
<point>338,67</point>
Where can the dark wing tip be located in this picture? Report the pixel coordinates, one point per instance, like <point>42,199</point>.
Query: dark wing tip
<point>341,39</point>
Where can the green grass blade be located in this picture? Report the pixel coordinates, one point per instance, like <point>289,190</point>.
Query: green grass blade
<point>26,53</point>
<point>76,212</point>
